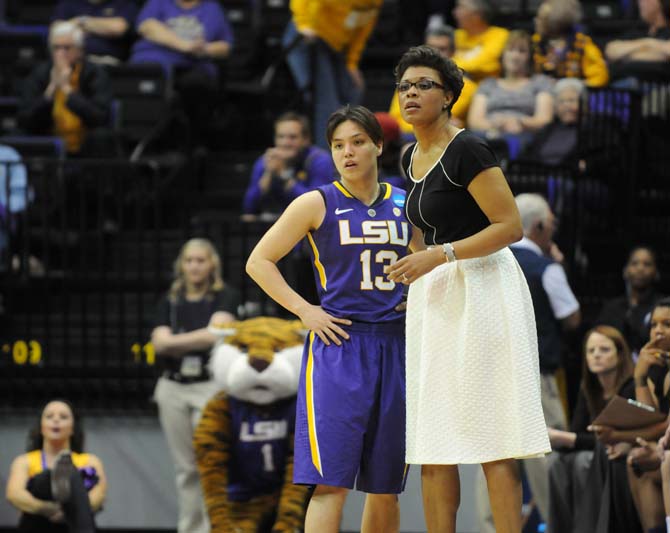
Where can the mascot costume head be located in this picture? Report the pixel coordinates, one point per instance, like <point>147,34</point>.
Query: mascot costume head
<point>244,441</point>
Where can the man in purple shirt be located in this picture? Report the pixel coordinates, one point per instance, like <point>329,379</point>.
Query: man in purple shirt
<point>107,25</point>
<point>288,169</point>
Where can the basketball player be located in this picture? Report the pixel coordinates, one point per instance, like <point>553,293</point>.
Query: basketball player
<point>350,425</point>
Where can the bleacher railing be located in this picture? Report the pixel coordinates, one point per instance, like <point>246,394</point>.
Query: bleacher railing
<point>84,261</point>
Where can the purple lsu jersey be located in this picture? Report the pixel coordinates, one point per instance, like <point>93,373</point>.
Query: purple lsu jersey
<point>259,453</point>
<point>350,250</point>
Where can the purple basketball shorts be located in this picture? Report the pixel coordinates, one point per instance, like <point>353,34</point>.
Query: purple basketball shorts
<point>350,421</point>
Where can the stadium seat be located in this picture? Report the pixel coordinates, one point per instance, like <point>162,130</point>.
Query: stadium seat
<point>242,63</point>
<point>274,16</point>
<point>30,146</point>
<point>8,111</point>
<point>143,94</point>
<point>20,52</point>
<point>29,13</point>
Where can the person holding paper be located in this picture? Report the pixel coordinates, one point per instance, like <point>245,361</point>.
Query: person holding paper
<point>576,480</point>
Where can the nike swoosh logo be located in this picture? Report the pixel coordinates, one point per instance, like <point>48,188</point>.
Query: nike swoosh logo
<point>340,211</point>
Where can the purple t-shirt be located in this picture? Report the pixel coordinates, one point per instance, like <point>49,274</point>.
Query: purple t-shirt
<point>312,168</point>
<point>205,21</point>
<point>96,44</point>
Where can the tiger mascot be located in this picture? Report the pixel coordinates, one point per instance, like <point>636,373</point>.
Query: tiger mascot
<point>244,441</point>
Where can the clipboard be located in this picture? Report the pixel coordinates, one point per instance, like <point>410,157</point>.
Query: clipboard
<point>622,413</point>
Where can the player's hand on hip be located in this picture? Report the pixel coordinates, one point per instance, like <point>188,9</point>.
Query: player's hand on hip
<point>325,325</point>
<point>413,266</point>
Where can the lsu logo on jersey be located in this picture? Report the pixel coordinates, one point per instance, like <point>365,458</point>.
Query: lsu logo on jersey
<point>376,232</point>
<point>263,430</point>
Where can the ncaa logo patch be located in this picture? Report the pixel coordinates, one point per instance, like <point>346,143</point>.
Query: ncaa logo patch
<point>398,199</point>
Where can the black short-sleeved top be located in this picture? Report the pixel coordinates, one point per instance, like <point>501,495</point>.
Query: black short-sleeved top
<point>183,316</point>
<point>440,204</point>
<point>657,376</point>
<point>582,417</point>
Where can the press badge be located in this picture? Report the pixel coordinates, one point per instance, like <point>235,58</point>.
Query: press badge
<point>191,366</point>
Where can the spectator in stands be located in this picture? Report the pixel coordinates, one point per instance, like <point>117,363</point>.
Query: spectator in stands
<point>56,486</point>
<point>68,96</point>
<point>587,484</point>
<point>186,37</point>
<point>651,387</point>
<point>556,310</point>
<point>442,39</point>
<point>560,50</point>
<point>556,143</point>
<point>630,313</point>
<point>597,156</point>
<point>14,198</point>
<point>288,169</point>
<point>478,44</point>
<point>326,40</point>
<point>518,103</point>
<point>198,298</point>
<point>593,163</point>
<point>643,53</point>
<point>107,25</point>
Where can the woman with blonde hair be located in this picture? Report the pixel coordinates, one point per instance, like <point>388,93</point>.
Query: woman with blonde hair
<point>197,298</point>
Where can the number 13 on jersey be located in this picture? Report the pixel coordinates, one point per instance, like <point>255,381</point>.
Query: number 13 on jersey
<point>386,258</point>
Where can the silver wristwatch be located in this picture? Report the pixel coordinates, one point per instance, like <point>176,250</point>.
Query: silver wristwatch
<point>449,252</point>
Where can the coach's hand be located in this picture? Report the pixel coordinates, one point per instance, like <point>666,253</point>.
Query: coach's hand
<point>413,266</point>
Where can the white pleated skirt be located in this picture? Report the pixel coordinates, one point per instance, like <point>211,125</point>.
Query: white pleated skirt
<point>473,377</point>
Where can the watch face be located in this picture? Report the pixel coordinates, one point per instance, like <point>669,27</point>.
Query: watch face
<point>448,250</point>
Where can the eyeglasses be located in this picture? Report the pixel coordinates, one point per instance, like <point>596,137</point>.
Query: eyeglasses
<point>422,85</point>
<point>66,47</point>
